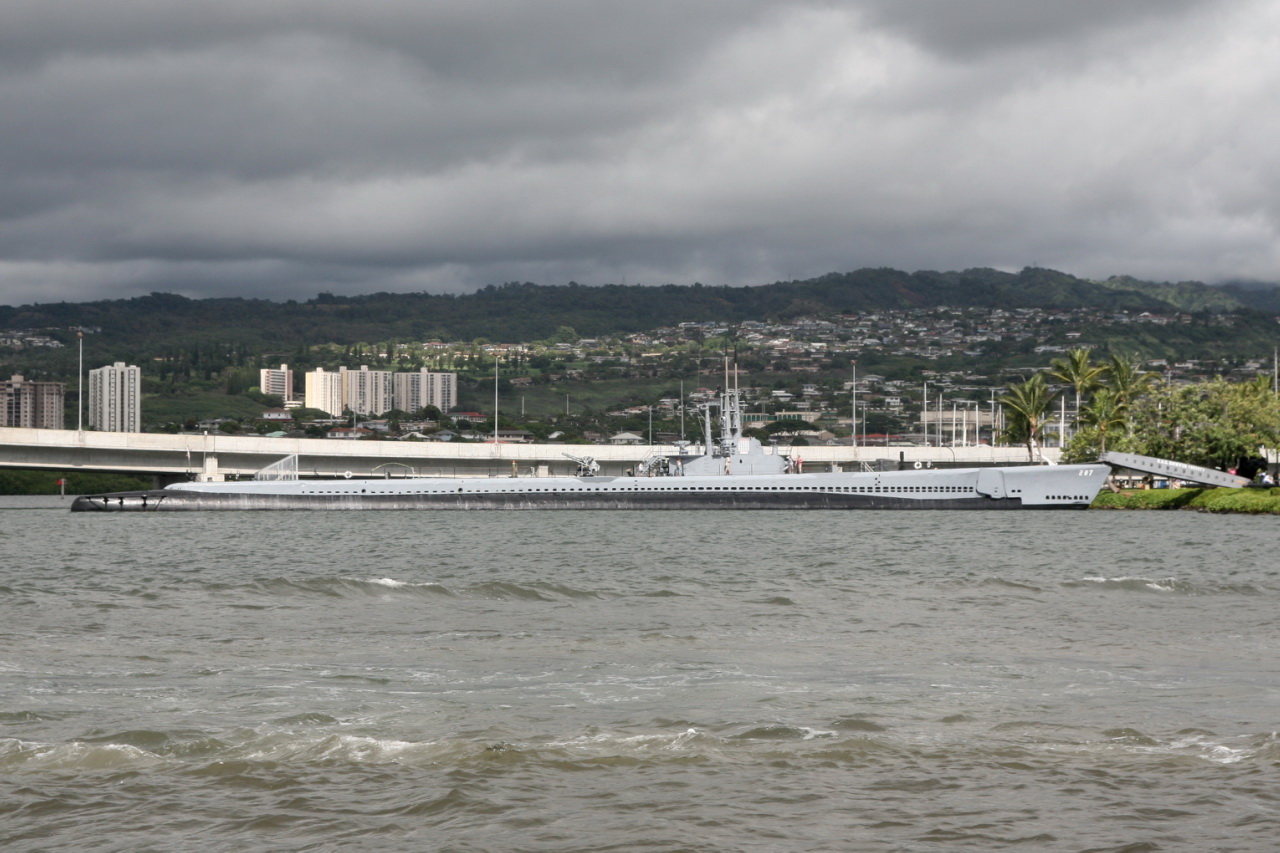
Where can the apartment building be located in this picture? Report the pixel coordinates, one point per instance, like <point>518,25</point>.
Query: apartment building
<point>35,405</point>
<point>365,391</point>
<point>372,392</point>
<point>277,383</point>
<point>115,398</point>
<point>323,391</point>
<point>421,388</point>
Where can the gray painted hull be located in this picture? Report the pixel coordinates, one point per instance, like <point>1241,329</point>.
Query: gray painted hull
<point>1057,487</point>
<point>161,501</point>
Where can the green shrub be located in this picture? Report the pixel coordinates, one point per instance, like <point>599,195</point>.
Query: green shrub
<point>1147,499</point>
<point>1251,501</point>
<point>1239,500</point>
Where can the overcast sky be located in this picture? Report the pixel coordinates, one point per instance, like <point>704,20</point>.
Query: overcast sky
<point>280,148</point>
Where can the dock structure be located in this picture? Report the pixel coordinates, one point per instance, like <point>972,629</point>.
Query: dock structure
<point>213,457</point>
<point>1174,470</point>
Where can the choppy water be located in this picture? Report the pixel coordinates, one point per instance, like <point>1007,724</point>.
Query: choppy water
<point>639,681</point>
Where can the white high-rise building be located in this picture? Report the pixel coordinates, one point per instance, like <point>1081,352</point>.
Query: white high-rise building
<point>413,391</point>
<point>115,398</point>
<point>324,391</point>
<point>372,392</point>
<point>277,383</point>
<point>365,391</point>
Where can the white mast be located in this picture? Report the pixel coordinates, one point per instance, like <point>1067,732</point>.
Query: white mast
<point>853,423</point>
<point>939,419</point>
<point>1062,424</point>
<point>924,412</point>
<point>682,410</point>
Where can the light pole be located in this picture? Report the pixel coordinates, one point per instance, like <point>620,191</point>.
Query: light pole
<point>80,384</point>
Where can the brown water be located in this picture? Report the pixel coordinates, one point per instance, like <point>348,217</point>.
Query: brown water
<point>591,681</point>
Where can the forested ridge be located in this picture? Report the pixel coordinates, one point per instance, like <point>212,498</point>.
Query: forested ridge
<point>526,312</point>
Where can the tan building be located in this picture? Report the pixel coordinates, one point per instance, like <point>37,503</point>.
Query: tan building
<point>35,405</point>
<point>324,391</point>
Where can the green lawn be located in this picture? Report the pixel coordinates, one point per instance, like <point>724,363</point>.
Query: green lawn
<point>1253,501</point>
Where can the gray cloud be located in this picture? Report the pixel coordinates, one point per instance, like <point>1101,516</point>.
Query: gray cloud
<point>286,148</point>
<point>978,27</point>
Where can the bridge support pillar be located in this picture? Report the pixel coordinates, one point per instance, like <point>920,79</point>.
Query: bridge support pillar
<point>209,473</point>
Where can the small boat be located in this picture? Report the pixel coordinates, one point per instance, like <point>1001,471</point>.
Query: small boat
<point>734,472</point>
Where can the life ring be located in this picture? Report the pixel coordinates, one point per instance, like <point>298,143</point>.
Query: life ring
<point>346,474</point>
<point>919,465</point>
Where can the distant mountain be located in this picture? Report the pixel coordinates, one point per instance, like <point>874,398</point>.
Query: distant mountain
<point>1190,296</point>
<point>1249,284</point>
<point>515,312</point>
<point>1263,296</point>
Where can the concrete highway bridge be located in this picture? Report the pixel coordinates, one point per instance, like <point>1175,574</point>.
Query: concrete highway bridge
<point>171,458</point>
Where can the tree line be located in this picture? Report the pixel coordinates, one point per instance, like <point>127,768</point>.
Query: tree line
<point>1119,406</point>
<point>528,312</point>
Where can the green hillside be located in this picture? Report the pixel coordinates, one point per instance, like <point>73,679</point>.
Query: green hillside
<point>524,312</point>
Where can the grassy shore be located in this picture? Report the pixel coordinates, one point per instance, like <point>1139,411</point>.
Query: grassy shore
<point>1252,501</point>
<point>17,482</point>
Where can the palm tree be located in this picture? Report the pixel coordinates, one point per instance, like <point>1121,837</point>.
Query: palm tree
<point>1105,412</point>
<point>1127,379</point>
<point>1078,371</point>
<point>1028,404</point>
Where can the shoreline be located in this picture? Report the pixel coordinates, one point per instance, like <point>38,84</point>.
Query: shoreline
<point>1250,501</point>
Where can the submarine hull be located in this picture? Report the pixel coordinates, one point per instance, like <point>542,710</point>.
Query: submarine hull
<point>169,501</point>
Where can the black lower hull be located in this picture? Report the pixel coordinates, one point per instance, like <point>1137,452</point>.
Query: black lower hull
<point>173,501</point>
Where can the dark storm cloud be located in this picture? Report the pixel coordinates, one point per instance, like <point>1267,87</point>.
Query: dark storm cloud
<point>290,147</point>
<point>977,27</point>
